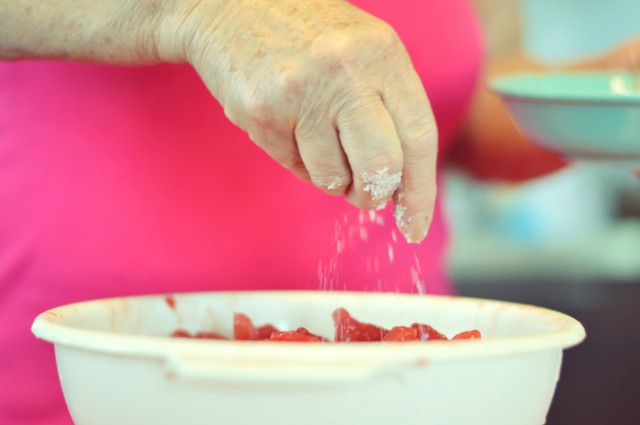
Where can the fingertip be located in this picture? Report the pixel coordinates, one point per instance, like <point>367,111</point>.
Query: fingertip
<point>413,226</point>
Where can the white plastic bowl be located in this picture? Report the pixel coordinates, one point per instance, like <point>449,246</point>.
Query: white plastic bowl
<point>117,365</point>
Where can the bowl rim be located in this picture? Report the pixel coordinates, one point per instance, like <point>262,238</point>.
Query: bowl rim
<point>504,86</point>
<point>49,327</point>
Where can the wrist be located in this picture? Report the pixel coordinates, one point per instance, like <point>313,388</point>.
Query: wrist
<point>181,26</point>
<point>115,32</point>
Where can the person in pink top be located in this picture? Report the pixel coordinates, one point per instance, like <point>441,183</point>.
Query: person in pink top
<point>132,180</point>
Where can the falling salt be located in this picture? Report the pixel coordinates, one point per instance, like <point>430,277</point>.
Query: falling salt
<point>416,276</point>
<point>372,260</point>
<point>363,233</point>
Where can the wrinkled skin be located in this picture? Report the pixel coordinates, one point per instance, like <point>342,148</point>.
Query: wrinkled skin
<point>329,92</point>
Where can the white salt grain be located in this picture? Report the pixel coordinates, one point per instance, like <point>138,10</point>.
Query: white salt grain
<point>399,213</point>
<point>381,184</point>
<point>363,234</point>
<point>335,183</point>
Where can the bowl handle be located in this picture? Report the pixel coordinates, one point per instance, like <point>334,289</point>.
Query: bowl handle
<point>237,372</point>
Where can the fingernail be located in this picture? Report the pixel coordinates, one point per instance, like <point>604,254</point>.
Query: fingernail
<point>413,228</point>
<point>416,228</point>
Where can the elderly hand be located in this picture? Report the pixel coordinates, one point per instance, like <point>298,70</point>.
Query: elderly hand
<point>326,90</point>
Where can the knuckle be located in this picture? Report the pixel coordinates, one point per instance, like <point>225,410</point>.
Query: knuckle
<point>259,111</point>
<point>385,37</point>
<point>292,163</point>
<point>358,105</point>
<point>376,160</point>
<point>342,48</point>
<point>421,140</point>
<point>291,81</point>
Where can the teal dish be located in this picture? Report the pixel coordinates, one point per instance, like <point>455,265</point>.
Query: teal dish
<point>583,115</point>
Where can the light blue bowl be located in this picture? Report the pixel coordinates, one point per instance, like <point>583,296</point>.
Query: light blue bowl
<point>583,115</point>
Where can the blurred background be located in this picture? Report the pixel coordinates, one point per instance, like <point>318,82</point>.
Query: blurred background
<point>569,241</point>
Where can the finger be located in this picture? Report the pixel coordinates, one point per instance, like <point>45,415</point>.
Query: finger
<point>637,173</point>
<point>323,157</point>
<point>372,146</point>
<point>409,107</point>
<point>282,148</point>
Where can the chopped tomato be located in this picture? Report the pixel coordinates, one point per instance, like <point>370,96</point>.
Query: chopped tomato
<point>401,334</point>
<point>180,333</point>
<point>210,335</point>
<point>265,331</point>
<point>427,333</point>
<point>349,329</point>
<point>474,334</point>
<point>299,335</point>
<point>243,329</point>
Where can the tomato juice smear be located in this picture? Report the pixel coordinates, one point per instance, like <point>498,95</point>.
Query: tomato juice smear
<point>347,329</point>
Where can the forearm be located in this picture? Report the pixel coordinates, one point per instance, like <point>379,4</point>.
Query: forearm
<point>490,146</point>
<point>127,32</point>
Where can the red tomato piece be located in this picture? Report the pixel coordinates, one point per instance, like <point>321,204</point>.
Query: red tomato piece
<point>349,329</point>
<point>171,301</point>
<point>265,331</point>
<point>427,333</point>
<point>305,331</point>
<point>295,336</point>
<point>401,334</point>
<point>181,333</point>
<point>209,335</point>
<point>473,334</point>
<point>243,329</point>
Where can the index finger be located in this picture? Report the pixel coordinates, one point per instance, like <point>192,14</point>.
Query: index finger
<point>411,112</point>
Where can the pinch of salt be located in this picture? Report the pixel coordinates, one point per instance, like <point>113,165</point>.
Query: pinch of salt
<point>381,184</point>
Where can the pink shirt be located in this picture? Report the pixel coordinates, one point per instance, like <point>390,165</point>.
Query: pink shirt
<point>117,181</point>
